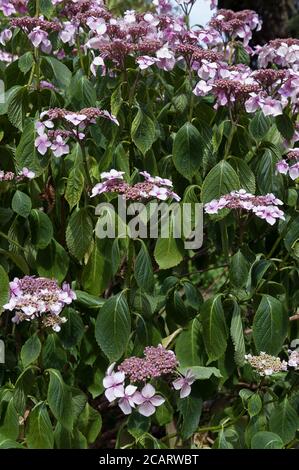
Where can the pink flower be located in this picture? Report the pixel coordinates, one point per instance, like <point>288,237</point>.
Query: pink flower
<point>114,384</point>
<point>112,175</point>
<point>37,36</point>
<point>282,167</point>
<point>97,62</point>
<point>184,384</point>
<point>294,171</point>
<point>5,36</point>
<point>202,88</point>
<point>127,400</point>
<point>27,173</point>
<point>271,107</point>
<point>75,119</point>
<point>59,147</point>
<point>147,400</point>
<point>159,193</point>
<point>146,61</point>
<point>67,295</point>
<point>99,188</point>
<point>42,143</point>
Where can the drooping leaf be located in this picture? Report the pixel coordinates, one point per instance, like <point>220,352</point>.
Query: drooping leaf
<point>113,326</point>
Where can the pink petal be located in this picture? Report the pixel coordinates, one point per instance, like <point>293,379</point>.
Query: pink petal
<point>125,406</point>
<point>186,390</point>
<point>146,409</point>
<point>157,400</point>
<point>148,391</point>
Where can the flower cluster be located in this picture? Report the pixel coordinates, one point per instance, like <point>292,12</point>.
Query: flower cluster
<point>38,297</point>
<point>265,364</point>
<point>74,124</point>
<point>152,187</point>
<point>37,30</point>
<point>11,176</point>
<point>293,360</point>
<point>282,52</point>
<point>290,164</point>
<point>157,362</point>
<point>264,207</point>
<point>232,25</point>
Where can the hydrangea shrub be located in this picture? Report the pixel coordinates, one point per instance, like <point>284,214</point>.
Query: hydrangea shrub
<point>140,342</point>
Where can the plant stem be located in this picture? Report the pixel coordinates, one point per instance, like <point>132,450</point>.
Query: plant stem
<point>85,162</point>
<point>224,240</point>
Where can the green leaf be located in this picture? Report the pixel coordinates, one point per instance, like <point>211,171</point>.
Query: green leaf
<point>202,373</point>
<point>144,270</point>
<point>25,62</point>
<point>215,331</point>
<point>9,427</point>
<point>74,187</point>
<point>259,126</point>
<point>239,269</point>
<point>60,399</point>
<point>254,405</point>
<point>267,178</point>
<point>190,409</point>
<point>138,425</point>
<point>143,131</point>
<point>90,423</point>
<point>41,228</point>
<point>266,440</point>
<point>285,126</point>
<point>15,106</point>
<point>113,327</point>
<point>221,180</point>
<point>168,252</point>
<point>40,432</point>
<point>189,345</point>
<point>82,92</point>
<point>60,71</point>
<point>30,350</point>
<point>96,275</point>
<point>245,174</point>
<point>284,421</point>
<point>187,150</point>
<point>53,261</point>
<point>73,330</point>
<point>270,325</point>
<point>237,335</point>
<point>21,204</point>
<point>26,154</point>
<point>79,233</point>
<point>4,288</point>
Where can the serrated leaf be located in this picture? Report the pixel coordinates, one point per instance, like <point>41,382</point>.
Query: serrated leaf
<point>79,233</point>
<point>60,399</point>
<point>143,269</point>
<point>74,187</point>
<point>237,335</point>
<point>21,204</point>
<point>222,179</point>
<point>270,325</point>
<point>40,432</point>
<point>214,328</point>
<point>143,131</point>
<point>30,350</point>
<point>113,327</point>
<point>187,150</point>
<point>167,252</point>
